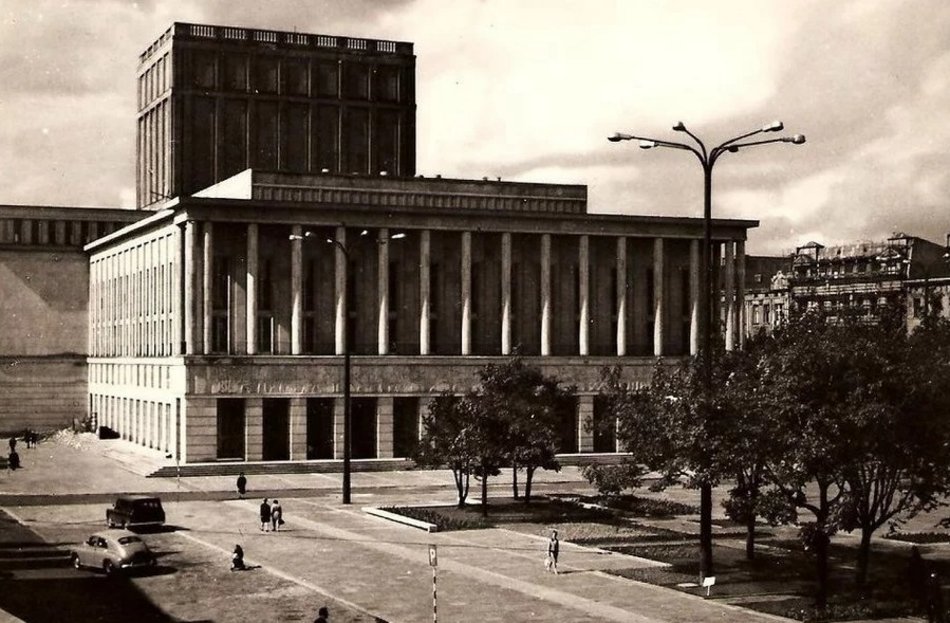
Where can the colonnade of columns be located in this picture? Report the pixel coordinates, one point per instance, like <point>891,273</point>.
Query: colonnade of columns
<point>197,314</point>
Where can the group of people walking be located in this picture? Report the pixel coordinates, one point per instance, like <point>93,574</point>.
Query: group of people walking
<point>272,515</point>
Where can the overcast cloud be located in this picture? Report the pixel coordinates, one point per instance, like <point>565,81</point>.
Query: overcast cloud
<point>529,90</point>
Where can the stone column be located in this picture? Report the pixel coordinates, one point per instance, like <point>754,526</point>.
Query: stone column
<point>621,287</point>
<point>694,297</point>
<point>740,293</point>
<point>659,333</point>
<point>254,429</point>
<point>251,290</point>
<point>296,290</point>
<point>506,293</point>
<point>545,294</point>
<point>384,427</point>
<point>189,277</point>
<point>466,279</point>
<point>425,252</point>
<point>207,282</point>
<point>382,290</point>
<point>339,286</point>
<point>583,294</point>
<point>298,428</point>
<point>728,292</point>
<point>585,419</point>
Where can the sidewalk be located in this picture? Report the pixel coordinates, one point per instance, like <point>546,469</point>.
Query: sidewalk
<point>378,566</point>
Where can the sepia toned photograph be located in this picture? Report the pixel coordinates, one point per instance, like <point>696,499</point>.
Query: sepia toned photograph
<point>398,311</point>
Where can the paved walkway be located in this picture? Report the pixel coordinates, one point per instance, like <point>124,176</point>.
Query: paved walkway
<point>375,566</point>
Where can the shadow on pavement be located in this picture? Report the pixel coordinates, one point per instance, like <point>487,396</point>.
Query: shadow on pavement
<point>37,585</point>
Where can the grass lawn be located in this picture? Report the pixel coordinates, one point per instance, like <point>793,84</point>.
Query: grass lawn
<point>780,580</point>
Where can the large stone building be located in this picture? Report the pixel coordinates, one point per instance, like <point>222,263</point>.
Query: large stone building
<point>218,323</point>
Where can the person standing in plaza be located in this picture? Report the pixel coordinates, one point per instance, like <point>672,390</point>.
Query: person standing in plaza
<point>323,615</point>
<point>554,546</point>
<point>12,443</point>
<point>265,515</point>
<point>242,484</point>
<point>276,516</point>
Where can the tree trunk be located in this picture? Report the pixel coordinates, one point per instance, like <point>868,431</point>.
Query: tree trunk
<point>821,560</point>
<point>864,557</point>
<point>484,493</point>
<point>750,537</point>
<point>528,478</point>
<point>705,531</point>
<point>514,480</point>
<point>821,546</point>
<point>460,487</point>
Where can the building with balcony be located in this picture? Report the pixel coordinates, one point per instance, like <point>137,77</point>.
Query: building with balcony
<point>864,276</point>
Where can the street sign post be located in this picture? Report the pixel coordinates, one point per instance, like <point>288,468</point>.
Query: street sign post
<point>434,563</point>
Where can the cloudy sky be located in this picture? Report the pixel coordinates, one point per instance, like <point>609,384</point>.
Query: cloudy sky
<point>529,91</point>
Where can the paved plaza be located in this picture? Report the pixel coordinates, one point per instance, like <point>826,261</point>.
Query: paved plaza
<point>370,568</point>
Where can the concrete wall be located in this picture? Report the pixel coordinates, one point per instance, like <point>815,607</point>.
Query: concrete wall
<point>43,296</point>
<point>43,302</point>
<point>41,393</point>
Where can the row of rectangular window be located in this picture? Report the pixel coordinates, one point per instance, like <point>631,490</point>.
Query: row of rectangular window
<point>53,232</point>
<point>296,76</point>
<point>139,375</point>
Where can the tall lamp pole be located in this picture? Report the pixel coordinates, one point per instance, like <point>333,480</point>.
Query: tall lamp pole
<point>708,160</point>
<point>347,420</point>
<point>308,235</point>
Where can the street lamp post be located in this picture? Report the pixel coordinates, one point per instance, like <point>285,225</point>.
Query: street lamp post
<point>345,339</point>
<point>708,160</point>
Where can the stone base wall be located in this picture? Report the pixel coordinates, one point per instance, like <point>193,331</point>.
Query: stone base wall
<point>42,393</point>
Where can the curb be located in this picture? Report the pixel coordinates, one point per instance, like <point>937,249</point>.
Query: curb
<point>408,521</point>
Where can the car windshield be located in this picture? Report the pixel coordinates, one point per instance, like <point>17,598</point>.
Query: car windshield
<point>129,539</point>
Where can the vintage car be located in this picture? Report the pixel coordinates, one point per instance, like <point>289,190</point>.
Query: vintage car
<point>133,511</point>
<point>112,551</point>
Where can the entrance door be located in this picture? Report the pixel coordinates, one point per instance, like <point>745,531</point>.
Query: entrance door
<point>363,423</point>
<point>276,415</point>
<point>231,428</point>
<point>319,428</point>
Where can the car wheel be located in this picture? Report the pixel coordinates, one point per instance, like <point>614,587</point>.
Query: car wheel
<point>75,561</point>
<point>108,567</point>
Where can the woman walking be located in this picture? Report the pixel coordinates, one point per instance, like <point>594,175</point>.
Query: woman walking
<point>276,516</point>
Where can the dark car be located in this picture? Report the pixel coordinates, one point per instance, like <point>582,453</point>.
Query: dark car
<point>112,551</point>
<point>134,511</point>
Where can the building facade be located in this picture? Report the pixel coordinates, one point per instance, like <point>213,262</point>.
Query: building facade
<point>219,322</point>
<point>44,278</point>
<point>216,100</point>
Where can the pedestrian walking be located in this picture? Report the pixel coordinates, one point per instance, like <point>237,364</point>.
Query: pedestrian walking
<point>237,559</point>
<point>554,546</point>
<point>276,516</point>
<point>935,609</point>
<point>323,615</point>
<point>265,515</point>
<point>14,461</point>
<point>242,484</point>
<point>12,443</point>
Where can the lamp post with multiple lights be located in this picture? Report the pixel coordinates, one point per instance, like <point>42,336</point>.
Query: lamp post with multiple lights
<point>708,159</point>
<point>344,330</point>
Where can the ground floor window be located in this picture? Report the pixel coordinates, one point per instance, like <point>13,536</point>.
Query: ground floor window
<point>405,426</point>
